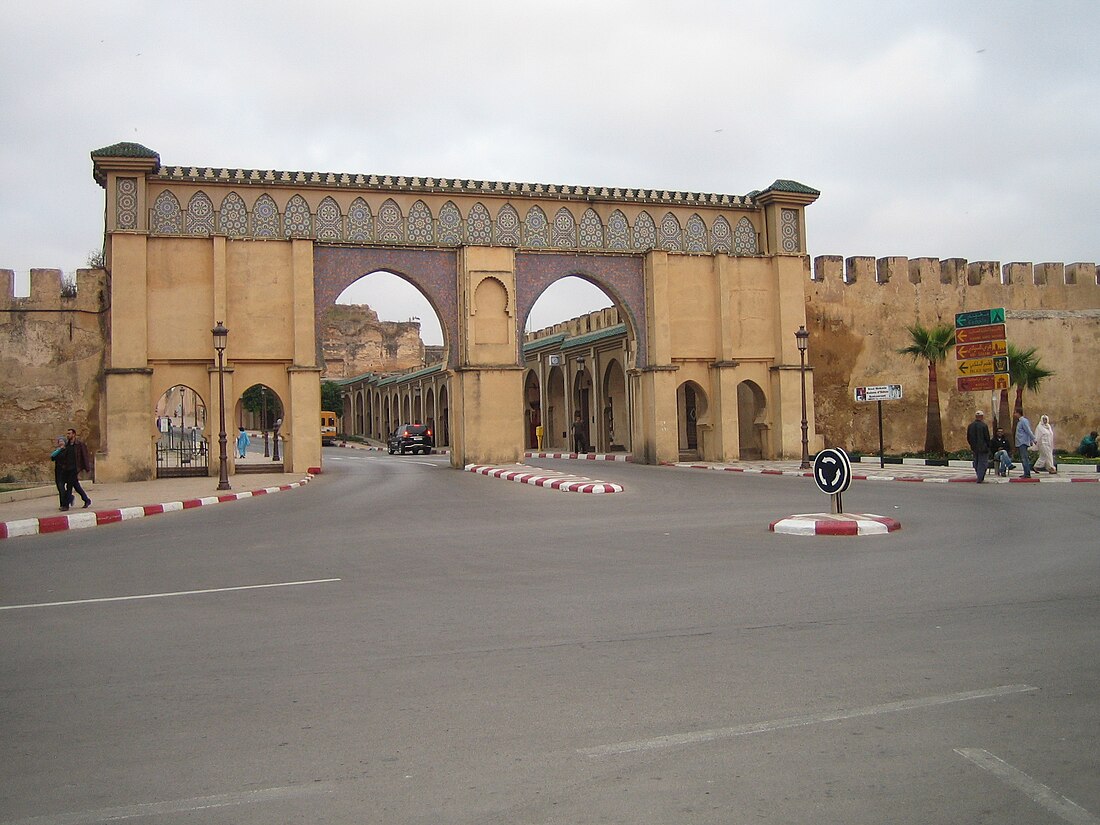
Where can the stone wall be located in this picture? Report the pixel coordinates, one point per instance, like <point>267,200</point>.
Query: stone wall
<point>356,342</point>
<point>857,310</point>
<point>52,346</point>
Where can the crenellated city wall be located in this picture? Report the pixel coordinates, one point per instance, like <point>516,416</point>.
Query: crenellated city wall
<point>857,311</point>
<point>52,346</point>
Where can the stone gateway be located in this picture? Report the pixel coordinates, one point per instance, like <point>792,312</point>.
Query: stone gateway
<point>710,289</point>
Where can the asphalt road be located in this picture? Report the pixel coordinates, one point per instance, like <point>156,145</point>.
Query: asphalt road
<point>441,647</point>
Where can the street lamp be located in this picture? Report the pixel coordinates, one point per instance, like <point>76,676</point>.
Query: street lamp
<point>802,338</point>
<point>220,334</point>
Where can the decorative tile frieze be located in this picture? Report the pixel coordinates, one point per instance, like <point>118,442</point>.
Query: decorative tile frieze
<point>572,227</point>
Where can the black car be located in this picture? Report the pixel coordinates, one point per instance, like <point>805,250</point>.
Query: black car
<point>416,438</point>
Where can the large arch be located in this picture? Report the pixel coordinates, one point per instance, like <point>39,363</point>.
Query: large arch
<point>621,277</point>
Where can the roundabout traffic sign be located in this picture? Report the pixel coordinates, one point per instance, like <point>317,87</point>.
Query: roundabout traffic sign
<point>832,471</point>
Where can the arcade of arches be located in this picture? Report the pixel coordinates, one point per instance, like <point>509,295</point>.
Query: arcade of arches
<point>698,355</point>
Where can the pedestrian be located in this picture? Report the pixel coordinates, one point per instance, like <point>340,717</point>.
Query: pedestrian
<point>75,460</point>
<point>580,438</point>
<point>1002,452</point>
<point>1088,446</point>
<point>242,442</point>
<point>1044,439</point>
<point>1023,439</point>
<point>57,457</point>
<point>977,436</point>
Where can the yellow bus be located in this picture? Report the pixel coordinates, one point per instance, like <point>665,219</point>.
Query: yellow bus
<point>328,428</point>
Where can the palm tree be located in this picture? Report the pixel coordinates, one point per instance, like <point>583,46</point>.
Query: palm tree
<point>931,345</point>
<point>1025,373</point>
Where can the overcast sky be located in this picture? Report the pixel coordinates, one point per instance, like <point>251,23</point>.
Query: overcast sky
<point>943,129</point>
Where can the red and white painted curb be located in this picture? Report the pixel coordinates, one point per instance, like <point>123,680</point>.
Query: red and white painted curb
<point>541,478</point>
<point>960,479</point>
<point>98,518</point>
<point>583,456</point>
<point>841,524</point>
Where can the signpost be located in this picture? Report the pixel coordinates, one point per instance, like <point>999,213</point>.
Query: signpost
<point>981,350</point>
<point>833,474</point>
<point>880,393</point>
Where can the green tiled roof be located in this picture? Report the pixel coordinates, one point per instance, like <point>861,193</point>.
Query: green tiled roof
<point>125,150</point>
<point>539,343</point>
<point>592,337</point>
<point>792,186</point>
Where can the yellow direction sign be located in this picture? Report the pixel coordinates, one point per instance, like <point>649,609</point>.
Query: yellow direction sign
<point>983,366</point>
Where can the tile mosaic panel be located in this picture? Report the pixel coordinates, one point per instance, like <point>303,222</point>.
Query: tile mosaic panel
<point>420,224</point>
<point>265,218</point>
<point>200,215</point>
<point>360,221</point>
<point>479,226</point>
<point>745,238</point>
<point>618,231</point>
<point>721,236</point>
<point>126,203</point>
<point>564,235</point>
<point>328,221</point>
<point>167,217</point>
<point>297,221</point>
<point>645,232</point>
<point>233,216</point>
<point>536,229</point>
<point>591,230</point>
<point>450,224</point>
<point>789,234</point>
<point>695,235</point>
<point>389,223</point>
<point>671,238</point>
<point>507,226</point>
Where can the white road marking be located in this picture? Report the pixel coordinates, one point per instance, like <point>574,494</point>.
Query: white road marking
<point>1039,793</point>
<point>698,737</point>
<point>165,595</point>
<point>198,803</point>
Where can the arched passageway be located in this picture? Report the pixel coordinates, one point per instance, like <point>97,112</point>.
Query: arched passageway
<point>751,406</point>
<point>691,410</point>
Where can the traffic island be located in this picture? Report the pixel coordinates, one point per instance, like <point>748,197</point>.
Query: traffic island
<point>835,524</point>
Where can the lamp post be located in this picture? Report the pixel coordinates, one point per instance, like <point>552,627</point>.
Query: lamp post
<point>802,338</point>
<point>220,334</point>
<point>263,419</point>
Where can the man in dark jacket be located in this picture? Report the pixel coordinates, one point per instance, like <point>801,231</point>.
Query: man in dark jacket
<point>74,461</point>
<point>1001,448</point>
<point>977,436</point>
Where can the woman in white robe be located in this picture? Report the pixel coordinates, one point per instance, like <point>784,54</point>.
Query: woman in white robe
<point>1044,441</point>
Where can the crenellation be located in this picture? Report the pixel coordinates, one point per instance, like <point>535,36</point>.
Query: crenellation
<point>45,286</point>
<point>953,271</point>
<point>1017,272</point>
<point>983,272</point>
<point>891,268</point>
<point>924,270</point>
<point>7,287</point>
<point>1080,272</point>
<point>828,267</point>
<point>1050,272</point>
<point>859,267</point>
